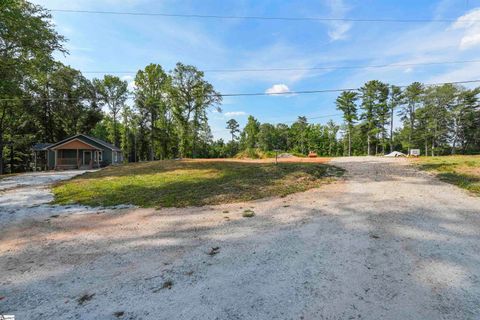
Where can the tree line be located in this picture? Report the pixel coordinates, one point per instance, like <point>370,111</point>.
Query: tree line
<point>165,115</point>
<point>43,100</point>
<point>438,119</point>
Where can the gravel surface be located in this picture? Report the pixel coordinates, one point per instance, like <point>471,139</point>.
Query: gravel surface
<point>387,242</point>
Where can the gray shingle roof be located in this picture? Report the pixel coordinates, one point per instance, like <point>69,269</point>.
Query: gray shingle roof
<point>99,141</point>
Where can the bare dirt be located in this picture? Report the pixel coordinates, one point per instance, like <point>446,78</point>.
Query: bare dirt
<point>387,242</point>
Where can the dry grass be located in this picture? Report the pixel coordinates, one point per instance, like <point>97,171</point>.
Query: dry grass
<point>193,182</point>
<point>463,171</point>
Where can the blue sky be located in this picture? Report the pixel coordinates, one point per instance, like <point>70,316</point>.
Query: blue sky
<point>127,43</point>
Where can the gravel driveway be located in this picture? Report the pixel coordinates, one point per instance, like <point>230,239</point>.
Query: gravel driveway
<point>28,195</point>
<point>387,242</point>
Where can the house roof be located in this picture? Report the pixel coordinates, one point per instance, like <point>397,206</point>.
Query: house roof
<point>103,143</point>
<point>99,141</point>
<point>41,146</point>
<point>75,143</point>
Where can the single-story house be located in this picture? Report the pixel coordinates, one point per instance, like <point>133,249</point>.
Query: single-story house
<point>77,152</point>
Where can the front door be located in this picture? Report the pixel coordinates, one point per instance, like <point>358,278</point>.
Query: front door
<point>87,156</point>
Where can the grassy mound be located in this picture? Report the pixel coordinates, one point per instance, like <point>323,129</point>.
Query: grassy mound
<point>191,183</point>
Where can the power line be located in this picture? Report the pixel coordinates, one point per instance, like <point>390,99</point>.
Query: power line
<point>234,17</point>
<point>250,94</point>
<point>392,65</point>
<point>330,90</point>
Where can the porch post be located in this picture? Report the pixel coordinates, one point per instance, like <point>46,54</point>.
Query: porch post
<point>76,160</point>
<point>98,159</point>
<point>48,160</point>
<point>56,156</point>
<point>35,160</point>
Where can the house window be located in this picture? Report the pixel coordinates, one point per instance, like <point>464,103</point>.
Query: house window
<point>100,156</point>
<point>116,157</point>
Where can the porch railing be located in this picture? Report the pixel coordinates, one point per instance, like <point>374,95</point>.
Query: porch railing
<point>68,161</point>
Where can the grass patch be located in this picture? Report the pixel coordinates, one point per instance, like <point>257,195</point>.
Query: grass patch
<point>191,183</point>
<point>462,171</point>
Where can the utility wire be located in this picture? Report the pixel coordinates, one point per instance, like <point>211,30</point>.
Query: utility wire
<point>234,17</point>
<point>249,94</point>
<point>392,65</point>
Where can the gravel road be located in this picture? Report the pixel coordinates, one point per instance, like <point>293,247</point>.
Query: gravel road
<point>386,242</point>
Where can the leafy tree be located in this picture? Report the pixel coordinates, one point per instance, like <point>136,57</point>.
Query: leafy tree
<point>299,133</point>
<point>374,100</point>
<point>113,92</point>
<point>233,126</point>
<point>413,98</point>
<point>191,96</point>
<point>395,100</point>
<point>250,133</point>
<point>346,103</point>
<point>267,137</point>
<point>152,86</point>
<point>27,42</point>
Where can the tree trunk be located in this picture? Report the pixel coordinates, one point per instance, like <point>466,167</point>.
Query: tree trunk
<point>11,157</point>
<point>152,139</point>
<point>391,131</point>
<point>368,144</point>
<point>349,142</point>
<point>1,152</point>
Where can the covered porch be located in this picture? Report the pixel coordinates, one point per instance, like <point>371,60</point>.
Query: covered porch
<point>77,154</point>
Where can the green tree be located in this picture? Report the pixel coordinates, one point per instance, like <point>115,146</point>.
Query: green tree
<point>113,93</point>
<point>413,97</point>
<point>395,100</point>
<point>27,42</point>
<point>233,127</point>
<point>250,133</point>
<point>152,87</point>
<point>346,103</point>
<point>374,99</point>
<point>191,96</point>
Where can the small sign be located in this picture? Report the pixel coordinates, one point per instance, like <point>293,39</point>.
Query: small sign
<point>415,152</point>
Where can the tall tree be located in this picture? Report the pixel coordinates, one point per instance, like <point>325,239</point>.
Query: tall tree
<point>346,103</point>
<point>395,100</point>
<point>191,96</point>
<point>152,86</point>
<point>113,93</point>
<point>250,133</point>
<point>374,98</point>
<point>233,127</point>
<point>27,41</point>
<point>413,98</point>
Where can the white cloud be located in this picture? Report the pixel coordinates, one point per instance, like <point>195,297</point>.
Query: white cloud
<point>277,89</point>
<point>470,22</point>
<point>235,113</point>
<point>337,30</point>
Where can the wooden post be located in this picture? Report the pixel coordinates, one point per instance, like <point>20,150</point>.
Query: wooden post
<point>76,160</point>
<point>56,156</point>
<point>98,159</point>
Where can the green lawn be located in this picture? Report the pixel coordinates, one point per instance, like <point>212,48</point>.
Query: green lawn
<point>191,183</point>
<point>463,171</point>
